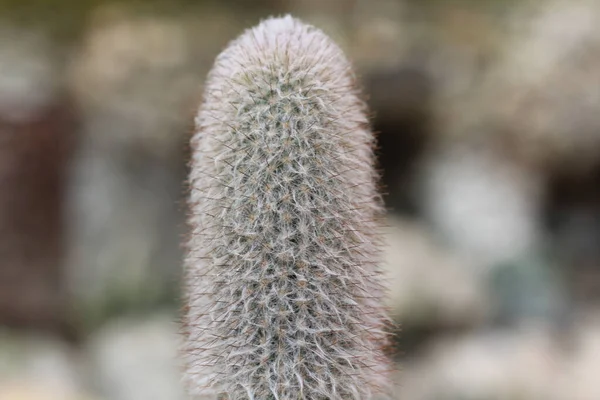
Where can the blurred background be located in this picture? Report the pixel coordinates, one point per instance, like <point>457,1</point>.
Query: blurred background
<point>488,116</point>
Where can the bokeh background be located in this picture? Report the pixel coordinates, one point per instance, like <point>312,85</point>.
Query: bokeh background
<point>488,116</point>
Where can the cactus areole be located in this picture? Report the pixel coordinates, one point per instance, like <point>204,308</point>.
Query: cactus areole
<point>282,281</point>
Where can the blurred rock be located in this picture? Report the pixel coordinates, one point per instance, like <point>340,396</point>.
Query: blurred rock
<point>135,359</point>
<point>33,391</point>
<point>528,363</point>
<point>30,79</point>
<point>530,288</point>
<point>378,34</point>
<point>486,205</point>
<point>139,69</point>
<point>462,44</point>
<point>579,378</point>
<point>522,365</point>
<point>427,285</point>
<point>38,368</point>
<point>541,91</point>
<point>136,77</point>
<point>125,228</point>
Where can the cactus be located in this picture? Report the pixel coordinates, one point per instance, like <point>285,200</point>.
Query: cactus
<point>282,279</point>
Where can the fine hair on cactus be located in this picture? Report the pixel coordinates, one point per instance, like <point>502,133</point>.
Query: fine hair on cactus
<point>283,287</point>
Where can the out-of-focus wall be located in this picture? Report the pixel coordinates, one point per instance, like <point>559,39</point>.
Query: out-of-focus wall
<point>490,154</point>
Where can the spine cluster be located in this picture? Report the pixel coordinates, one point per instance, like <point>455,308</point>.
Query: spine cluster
<point>283,286</point>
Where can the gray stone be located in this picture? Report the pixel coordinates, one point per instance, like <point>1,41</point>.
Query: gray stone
<point>133,359</point>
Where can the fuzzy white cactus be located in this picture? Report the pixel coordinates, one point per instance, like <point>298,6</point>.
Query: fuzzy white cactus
<point>283,285</point>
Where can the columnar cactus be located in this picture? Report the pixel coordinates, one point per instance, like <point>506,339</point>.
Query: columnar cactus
<point>283,286</point>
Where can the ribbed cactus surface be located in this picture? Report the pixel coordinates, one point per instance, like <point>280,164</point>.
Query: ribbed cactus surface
<point>283,286</point>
